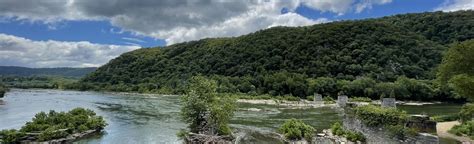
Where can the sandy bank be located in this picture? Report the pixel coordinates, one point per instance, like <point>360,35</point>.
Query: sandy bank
<point>442,130</point>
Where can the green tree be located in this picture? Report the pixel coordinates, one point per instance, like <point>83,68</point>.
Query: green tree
<point>456,69</point>
<point>203,110</point>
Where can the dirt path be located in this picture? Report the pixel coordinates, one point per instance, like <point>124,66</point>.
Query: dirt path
<point>442,130</point>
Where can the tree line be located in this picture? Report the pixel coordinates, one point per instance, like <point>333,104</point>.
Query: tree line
<point>370,58</point>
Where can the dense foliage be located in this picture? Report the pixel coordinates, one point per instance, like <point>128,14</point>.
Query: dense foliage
<point>368,57</point>
<point>62,72</point>
<point>46,82</point>
<point>391,119</point>
<point>294,129</point>
<point>55,125</point>
<point>338,130</point>
<point>373,115</point>
<point>466,129</point>
<point>457,70</point>
<point>467,113</point>
<point>204,111</point>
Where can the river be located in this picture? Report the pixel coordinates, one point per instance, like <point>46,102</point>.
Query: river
<point>135,118</point>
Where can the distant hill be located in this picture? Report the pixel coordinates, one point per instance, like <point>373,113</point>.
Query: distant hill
<point>287,60</point>
<point>63,72</point>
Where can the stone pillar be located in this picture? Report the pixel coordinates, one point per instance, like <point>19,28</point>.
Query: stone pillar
<point>389,103</point>
<point>342,100</point>
<point>318,97</point>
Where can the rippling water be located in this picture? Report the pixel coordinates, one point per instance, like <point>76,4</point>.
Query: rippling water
<point>135,118</point>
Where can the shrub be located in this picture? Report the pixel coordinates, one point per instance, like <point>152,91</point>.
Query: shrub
<point>466,128</point>
<point>360,99</point>
<point>401,132</point>
<point>294,129</point>
<point>466,113</point>
<point>355,136</point>
<point>376,116</point>
<point>11,136</point>
<point>338,130</point>
<point>310,98</point>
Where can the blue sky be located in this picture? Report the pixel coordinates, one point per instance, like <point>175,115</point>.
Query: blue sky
<point>103,32</point>
<point>85,33</point>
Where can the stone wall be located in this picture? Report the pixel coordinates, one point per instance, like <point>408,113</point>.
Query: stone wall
<point>379,135</point>
<point>422,123</point>
<point>342,100</point>
<point>389,102</point>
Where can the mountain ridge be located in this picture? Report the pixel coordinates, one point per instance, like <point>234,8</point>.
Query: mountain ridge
<point>383,49</point>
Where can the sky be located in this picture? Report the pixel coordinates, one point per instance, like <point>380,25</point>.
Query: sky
<point>89,33</point>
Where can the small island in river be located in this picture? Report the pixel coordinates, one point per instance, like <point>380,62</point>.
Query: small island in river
<point>56,127</point>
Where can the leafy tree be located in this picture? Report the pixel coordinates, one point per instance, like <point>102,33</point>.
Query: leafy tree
<point>204,111</point>
<point>457,70</point>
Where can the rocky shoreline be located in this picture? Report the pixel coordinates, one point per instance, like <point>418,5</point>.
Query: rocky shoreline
<point>313,104</point>
<point>30,138</point>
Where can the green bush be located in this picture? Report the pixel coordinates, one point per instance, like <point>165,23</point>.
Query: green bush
<point>466,113</point>
<point>360,99</point>
<point>377,116</point>
<point>55,125</point>
<point>401,132</point>
<point>328,100</point>
<point>338,130</point>
<point>355,136</point>
<point>466,128</point>
<point>11,136</point>
<point>310,98</point>
<point>294,129</point>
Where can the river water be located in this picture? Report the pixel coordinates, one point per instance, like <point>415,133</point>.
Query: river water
<point>135,118</point>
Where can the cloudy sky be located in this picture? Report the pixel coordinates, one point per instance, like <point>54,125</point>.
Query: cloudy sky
<point>85,33</point>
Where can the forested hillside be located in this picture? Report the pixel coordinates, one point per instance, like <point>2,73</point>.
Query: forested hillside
<point>394,55</point>
<point>63,72</point>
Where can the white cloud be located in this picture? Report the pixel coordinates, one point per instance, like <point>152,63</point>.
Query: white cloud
<point>19,51</point>
<point>182,20</point>
<point>454,5</point>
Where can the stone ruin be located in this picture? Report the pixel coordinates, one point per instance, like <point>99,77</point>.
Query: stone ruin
<point>342,100</point>
<point>318,97</point>
<point>422,123</point>
<point>389,103</point>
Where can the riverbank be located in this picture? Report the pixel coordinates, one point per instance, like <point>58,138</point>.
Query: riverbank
<point>296,104</point>
<point>313,104</point>
<point>442,131</point>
